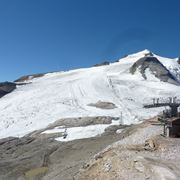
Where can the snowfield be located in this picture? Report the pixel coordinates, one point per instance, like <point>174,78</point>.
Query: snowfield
<point>67,94</point>
<point>81,132</point>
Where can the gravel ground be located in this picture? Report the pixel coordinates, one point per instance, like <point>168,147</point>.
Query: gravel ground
<point>144,154</point>
<point>38,156</point>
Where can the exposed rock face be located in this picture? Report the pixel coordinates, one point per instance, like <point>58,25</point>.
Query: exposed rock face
<point>155,66</point>
<point>6,87</point>
<point>148,53</point>
<point>103,105</point>
<point>19,156</point>
<point>178,60</point>
<point>82,121</point>
<point>150,145</point>
<point>102,64</point>
<point>29,77</point>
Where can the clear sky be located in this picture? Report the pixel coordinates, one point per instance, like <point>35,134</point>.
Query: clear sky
<point>49,35</point>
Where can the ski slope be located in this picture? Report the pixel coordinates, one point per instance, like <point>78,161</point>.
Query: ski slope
<point>67,94</point>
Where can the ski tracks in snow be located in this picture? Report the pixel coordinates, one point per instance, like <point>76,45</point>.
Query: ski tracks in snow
<point>121,103</point>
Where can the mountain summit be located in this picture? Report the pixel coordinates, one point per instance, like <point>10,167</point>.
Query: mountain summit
<point>145,52</point>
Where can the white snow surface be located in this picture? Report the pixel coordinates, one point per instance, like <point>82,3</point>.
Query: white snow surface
<point>81,132</point>
<point>67,94</point>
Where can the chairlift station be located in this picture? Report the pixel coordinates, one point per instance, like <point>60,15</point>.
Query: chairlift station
<point>170,117</point>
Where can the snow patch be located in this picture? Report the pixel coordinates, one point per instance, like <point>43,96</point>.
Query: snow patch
<point>150,76</point>
<point>81,132</point>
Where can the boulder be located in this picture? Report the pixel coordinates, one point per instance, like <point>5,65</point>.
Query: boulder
<point>150,145</point>
<point>103,105</point>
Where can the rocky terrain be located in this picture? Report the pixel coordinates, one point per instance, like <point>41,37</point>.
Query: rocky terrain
<point>29,77</point>
<point>121,152</point>
<point>143,154</point>
<point>155,66</point>
<point>38,156</point>
<point>6,87</point>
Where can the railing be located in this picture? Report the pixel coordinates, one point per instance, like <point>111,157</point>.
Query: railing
<point>160,102</point>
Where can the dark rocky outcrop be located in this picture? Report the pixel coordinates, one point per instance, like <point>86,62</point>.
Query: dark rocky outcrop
<point>6,87</point>
<point>156,67</point>
<point>23,158</point>
<point>102,64</point>
<point>29,77</point>
<point>178,60</point>
<point>148,54</point>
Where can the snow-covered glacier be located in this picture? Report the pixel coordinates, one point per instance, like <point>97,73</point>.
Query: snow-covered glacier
<point>58,95</point>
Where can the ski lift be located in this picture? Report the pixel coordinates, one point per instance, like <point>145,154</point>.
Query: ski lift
<point>65,133</point>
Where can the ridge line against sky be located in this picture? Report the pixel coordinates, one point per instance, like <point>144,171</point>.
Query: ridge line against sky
<point>43,35</point>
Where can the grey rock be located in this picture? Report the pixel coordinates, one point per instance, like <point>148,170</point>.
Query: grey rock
<point>103,105</point>
<point>6,87</point>
<point>178,60</point>
<point>29,77</point>
<point>156,67</point>
<point>102,64</point>
<point>19,155</point>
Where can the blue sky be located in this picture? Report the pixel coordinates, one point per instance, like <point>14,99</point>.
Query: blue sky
<point>49,35</point>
